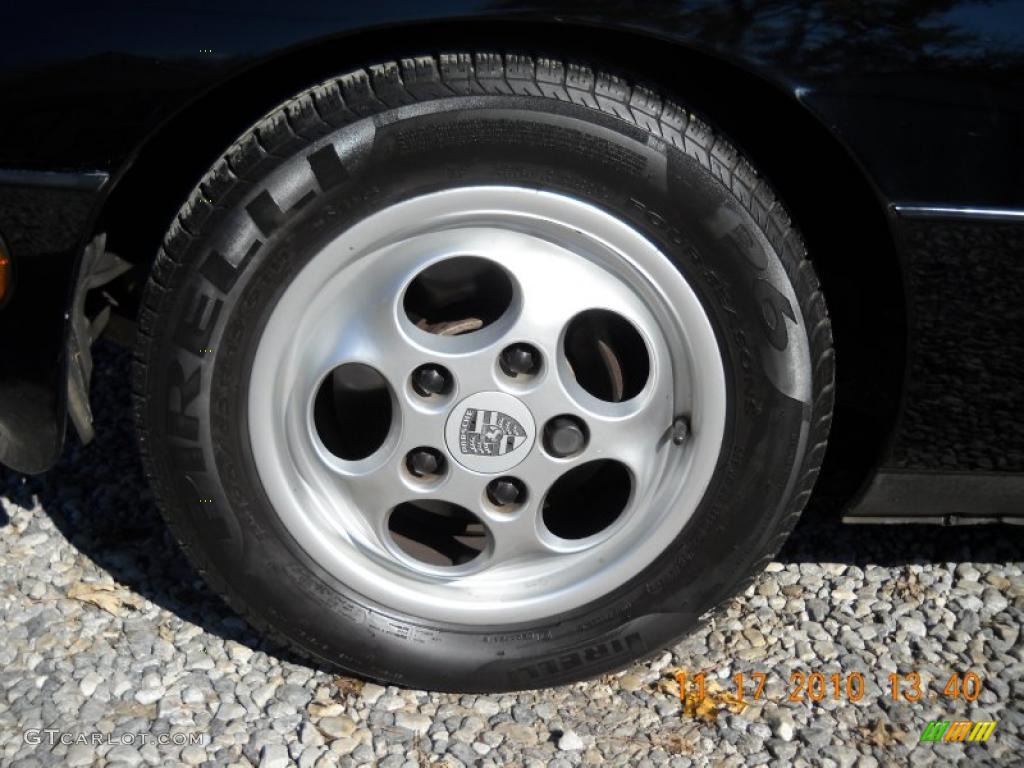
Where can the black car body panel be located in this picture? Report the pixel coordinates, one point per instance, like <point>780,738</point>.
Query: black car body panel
<point>924,100</point>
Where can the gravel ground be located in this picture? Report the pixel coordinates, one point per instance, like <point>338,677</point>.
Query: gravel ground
<point>106,630</point>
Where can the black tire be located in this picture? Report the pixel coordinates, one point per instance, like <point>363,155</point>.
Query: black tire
<point>448,120</point>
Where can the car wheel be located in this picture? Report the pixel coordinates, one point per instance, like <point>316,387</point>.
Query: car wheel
<point>477,372</point>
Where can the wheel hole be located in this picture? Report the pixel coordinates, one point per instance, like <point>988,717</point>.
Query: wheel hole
<point>587,499</point>
<point>458,295</point>
<point>352,411</point>
<point>437,533</point>
<point>607,355</point>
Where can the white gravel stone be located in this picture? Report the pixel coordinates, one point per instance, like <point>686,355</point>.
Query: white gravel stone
<point>238,652</point>
<point>336,727</point>
<point>631,682</point>
<point>569,742</point>
<point>230,711</point>
<point>310,734</point>
<point>913,626</point>
<point>192,695</point>
<point>90,683</point>
<point>149,695</point>
<point>487,707</point>
<point>263,694</point>
<point>344,746</point>
<point>274,756</point>
<point>193,754</point>
<point>414,721</point>
<point>390,703</point>
<point>80,754</point>
<point>371,692</point>
<point>124,753</point>
<point>782,725</point>
<point>332,709</point>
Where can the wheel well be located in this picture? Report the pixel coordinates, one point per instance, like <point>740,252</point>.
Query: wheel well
<point>841,216</point>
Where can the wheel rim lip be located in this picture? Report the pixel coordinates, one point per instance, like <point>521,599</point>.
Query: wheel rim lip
<point>287,467</point>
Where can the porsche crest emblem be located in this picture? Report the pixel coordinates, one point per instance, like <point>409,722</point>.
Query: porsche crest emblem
<point>489,433</point>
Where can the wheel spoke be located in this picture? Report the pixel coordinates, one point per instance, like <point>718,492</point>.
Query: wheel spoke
<point>373,334</point>
<point>516,535</point>
<point>374,493</point>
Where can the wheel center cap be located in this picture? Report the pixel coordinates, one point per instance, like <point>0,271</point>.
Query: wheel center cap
<point>490,432</point>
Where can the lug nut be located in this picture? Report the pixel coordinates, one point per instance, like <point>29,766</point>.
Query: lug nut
<point>430,380</point>
<point>505,491</point>
<point>564,436</point>
<point>423,462</point>
<point>520,360</point>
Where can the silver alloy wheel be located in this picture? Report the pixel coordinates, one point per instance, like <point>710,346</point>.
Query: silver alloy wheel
<point>563,257</point>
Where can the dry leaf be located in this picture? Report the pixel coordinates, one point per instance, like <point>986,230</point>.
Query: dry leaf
<point>882,734</point>
<point>675,743</point>
<point>715,699</point>
<point>347,685</point>
<point>105,596</point>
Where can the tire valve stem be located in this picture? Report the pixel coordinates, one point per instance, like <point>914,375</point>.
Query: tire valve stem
<point>680,430</point>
